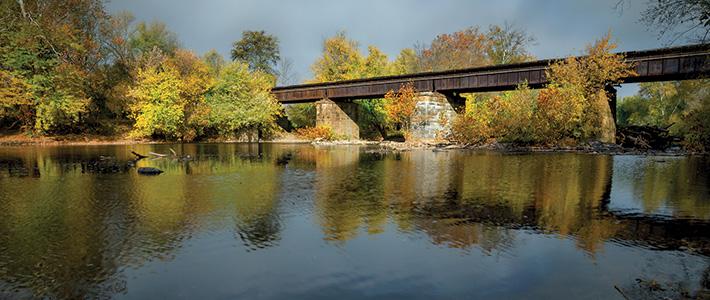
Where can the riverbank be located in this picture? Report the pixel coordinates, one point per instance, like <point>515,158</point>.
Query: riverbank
<point>377,146</point>
<point>591,148</point>
<point>21,139</point>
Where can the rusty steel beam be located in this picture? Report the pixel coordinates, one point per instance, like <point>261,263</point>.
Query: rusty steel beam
<point>664,64</point>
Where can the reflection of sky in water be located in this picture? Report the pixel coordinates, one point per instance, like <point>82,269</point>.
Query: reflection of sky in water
<point>287,221</point>
<point>659,185</point>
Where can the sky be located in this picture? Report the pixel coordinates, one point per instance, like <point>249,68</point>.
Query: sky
<point>560,28</point>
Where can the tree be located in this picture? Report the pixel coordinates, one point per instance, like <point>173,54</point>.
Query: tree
<point>147,36</point>
<point>508,44</point>
<point>689,18</point>
<point>376,63</point>
<point>462,49</point>
<point>681,106</point>
<point>400,106</point>
<point>259,50</point>
<point>406,62</point>
<point>158,108</point>
<point>286,75</point>
<point>214,61</point>
<point>53,48</point>
<point>169,98</point>
<point>340,60</point>
<point>576,102</point>
<point>242,100</point>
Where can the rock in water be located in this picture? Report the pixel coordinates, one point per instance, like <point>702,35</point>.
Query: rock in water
<point>149,171</point>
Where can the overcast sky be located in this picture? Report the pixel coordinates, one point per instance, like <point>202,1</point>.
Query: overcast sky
<point>560,27</point>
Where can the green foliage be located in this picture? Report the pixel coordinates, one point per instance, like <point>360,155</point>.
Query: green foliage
<point>373,118</point>
<point>214,61</point>
<point>696,127</point>
<point>301,115</point>
<point>681,106</point>
<point>259,50</point>
<point>48,52</point>
<point>241,100</point>
<point>154,35</point>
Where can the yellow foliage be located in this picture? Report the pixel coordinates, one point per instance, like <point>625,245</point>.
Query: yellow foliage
<point>318,132</point>
<point>16,98</point>
<point>574,106</point>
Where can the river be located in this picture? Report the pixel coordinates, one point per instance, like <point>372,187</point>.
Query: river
<point>297,221</point>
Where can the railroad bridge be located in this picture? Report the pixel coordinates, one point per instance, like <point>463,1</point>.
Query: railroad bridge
<point>439,91</point>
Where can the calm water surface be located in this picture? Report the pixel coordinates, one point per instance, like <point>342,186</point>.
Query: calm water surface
<point>297,221</point>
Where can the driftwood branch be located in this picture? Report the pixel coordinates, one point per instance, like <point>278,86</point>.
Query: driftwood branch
<point>138,155</point>
<point>157,154</point>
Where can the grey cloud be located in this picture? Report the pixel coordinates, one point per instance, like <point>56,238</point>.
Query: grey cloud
<point>560,27</point>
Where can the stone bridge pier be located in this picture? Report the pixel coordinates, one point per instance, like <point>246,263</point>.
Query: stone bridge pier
<point>433,115</point>
<point>341,117</point>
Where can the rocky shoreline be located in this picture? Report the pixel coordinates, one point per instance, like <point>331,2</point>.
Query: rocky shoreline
<point>375,146</point>
<point>590,148</point>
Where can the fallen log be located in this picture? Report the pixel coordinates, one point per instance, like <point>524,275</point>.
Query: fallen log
<point>644,137</point>
<point>149,171</point>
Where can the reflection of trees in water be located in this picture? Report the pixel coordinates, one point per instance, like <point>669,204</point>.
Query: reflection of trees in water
<point>66,234</point>
<point>348,194</point>
<point>680,183</point>
<point>462,200</point>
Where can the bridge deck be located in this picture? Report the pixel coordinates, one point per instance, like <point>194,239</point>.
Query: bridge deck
<point>651,65</point>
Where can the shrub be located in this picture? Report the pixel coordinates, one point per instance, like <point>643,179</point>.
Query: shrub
<point>400,106</point>
<point>696,127</point>
<point>574,106</point>
<point>317,132</point>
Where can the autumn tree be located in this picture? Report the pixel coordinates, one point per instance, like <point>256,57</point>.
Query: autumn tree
<point>52,49</point>
<point>169,98</point>
<point>406,62</point>
<point>340,60</point>
<point>582,83</point>
<point>508,44</point>
<point>573,108</point>
<point>461,49</point>
<point>259,50</point>
<point>241,100</point>
<point>400,106</point>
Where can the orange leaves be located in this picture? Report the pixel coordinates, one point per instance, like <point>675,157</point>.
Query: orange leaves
<point>400,105</point>
<point>462,49</point>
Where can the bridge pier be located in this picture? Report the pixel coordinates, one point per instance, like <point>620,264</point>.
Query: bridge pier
<point>341,117</point>
<point>434,114</point>
<point>608,118</point>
